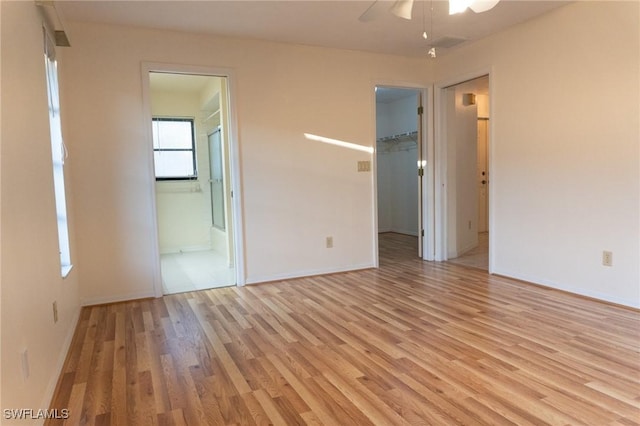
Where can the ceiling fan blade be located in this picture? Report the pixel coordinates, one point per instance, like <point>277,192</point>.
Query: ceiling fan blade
<point>374,11</point>
<point>458,6</point>
<point>479,6</point>
<point>402,8</point>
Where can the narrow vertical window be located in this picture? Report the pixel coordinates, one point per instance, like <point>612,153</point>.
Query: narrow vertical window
<point>58,151</point>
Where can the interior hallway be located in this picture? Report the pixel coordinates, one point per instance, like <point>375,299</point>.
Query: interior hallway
<point>398,247</point>
<point>477,257</point>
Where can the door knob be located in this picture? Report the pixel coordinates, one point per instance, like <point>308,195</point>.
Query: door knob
<point>484,182</point>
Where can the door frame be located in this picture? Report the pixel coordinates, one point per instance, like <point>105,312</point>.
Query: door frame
<point>234,162</point>
<point>426,148</point>
<point>440,160</point>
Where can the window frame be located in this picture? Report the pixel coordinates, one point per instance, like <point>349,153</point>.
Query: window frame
<point>190,120</point>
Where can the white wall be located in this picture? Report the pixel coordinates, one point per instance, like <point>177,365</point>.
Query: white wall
<point>295,192</point>
<point>398,191</point>
<point>397,117</point>
<point>462,154</point>
<point>564,151</point>
<point>397,167</point>
<point>30,263</point>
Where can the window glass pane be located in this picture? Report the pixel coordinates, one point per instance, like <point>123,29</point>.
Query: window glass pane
<point>174,147</point>
<point>57,151</point>
<point>172,134</point>
<point>173,164</point>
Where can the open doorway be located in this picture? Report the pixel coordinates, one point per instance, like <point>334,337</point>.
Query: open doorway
<point>190,133</point>
<point>466,130</point>
<point>400,167</point>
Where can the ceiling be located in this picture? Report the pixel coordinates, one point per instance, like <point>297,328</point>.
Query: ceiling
<point>325,23</point>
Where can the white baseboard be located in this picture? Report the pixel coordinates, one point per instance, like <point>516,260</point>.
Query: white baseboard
<point>575,290</point>
<point>62,357</point>
<point>413,233</point>
<point>457,253</point>
<point>407,232</point>
<point>172,250</point>
<point>118,298</point>
<point>307,273</point>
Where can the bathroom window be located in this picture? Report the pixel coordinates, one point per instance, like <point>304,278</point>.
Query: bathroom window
<point>174,148</point>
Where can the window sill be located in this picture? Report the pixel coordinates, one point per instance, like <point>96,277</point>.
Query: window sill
<point>65,270</point>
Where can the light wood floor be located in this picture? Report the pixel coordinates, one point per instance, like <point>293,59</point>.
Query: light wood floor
<point>409,343</point>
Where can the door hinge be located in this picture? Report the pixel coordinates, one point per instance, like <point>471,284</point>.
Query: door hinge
<point>421,172</point>
<point>422,233</point>
<point>420,110</point>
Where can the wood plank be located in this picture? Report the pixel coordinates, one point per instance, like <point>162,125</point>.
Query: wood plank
<point>269,407</point>
<point>412,342</point>
<point>230,367</point>
<point>298,385</point>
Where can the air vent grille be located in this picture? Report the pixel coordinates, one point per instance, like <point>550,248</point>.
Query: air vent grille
<point>447,42</point>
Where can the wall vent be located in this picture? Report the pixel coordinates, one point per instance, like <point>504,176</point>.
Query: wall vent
<point>447,42</point>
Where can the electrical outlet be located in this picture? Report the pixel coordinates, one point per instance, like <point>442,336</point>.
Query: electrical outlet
<point>329,242</point>
<point>55,312</point>
<point>607,258</point>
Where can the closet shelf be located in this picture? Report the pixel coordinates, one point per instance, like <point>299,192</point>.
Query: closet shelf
<point>402,137</point>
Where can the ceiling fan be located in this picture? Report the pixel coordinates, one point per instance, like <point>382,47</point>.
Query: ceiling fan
<point>403,8</point>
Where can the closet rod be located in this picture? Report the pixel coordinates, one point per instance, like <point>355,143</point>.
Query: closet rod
<point>210,116</point>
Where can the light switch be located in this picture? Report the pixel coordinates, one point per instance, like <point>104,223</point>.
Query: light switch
<point>364,166</point>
